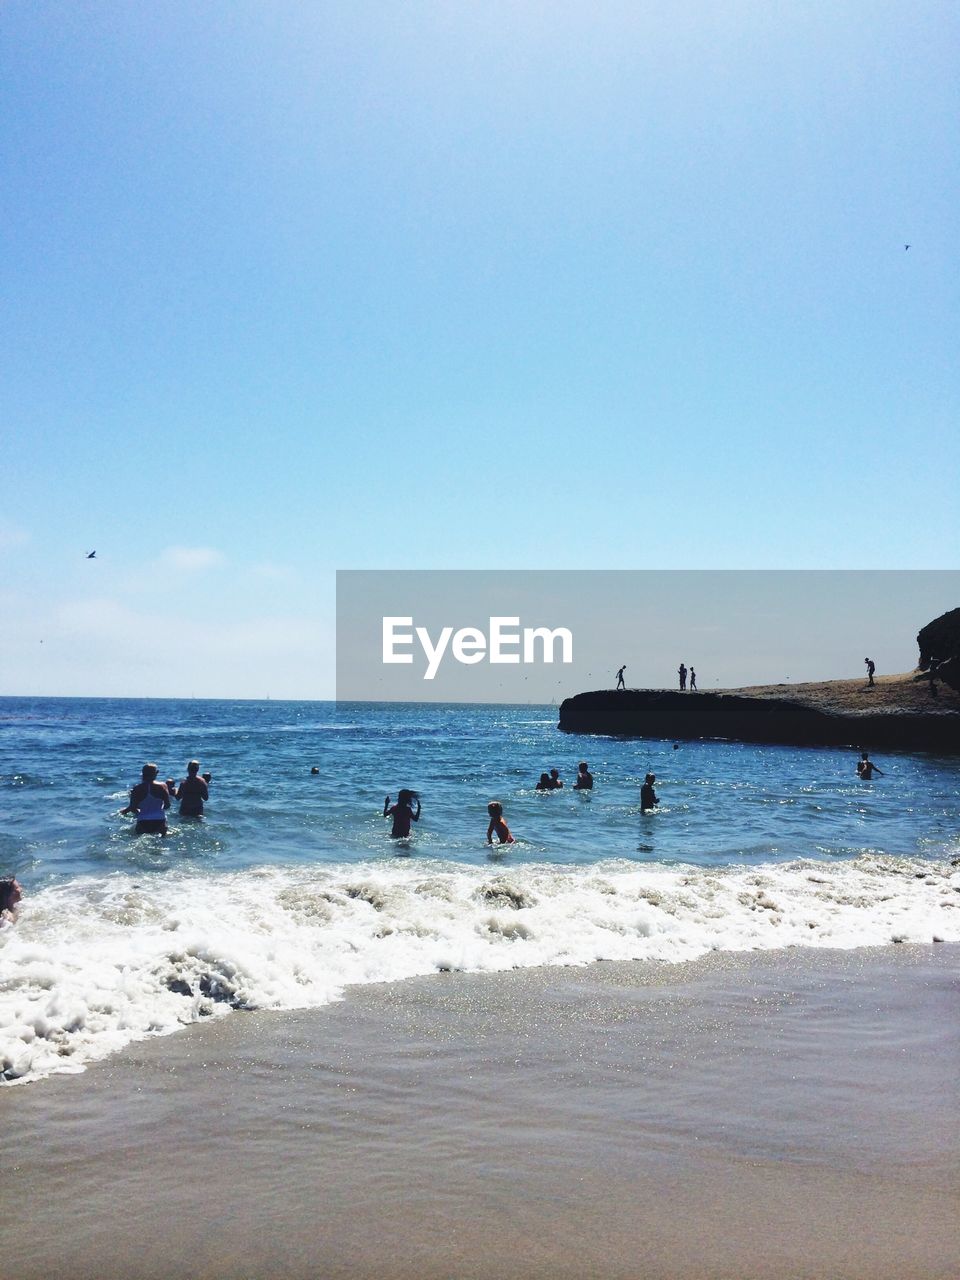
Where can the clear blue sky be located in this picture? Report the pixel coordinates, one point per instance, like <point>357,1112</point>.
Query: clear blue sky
<point>292,288</point>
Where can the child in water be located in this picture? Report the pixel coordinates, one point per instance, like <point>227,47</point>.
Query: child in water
<point>10,895</point>
<point>402,812</point>
<point>648,797</point>
<point>497,825</point>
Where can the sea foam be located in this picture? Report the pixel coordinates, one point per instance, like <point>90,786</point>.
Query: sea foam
<point>96,963</point>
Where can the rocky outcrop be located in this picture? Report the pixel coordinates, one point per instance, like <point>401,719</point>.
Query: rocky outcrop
<point>939,645</point>
<point>919,712</point>
<point>654,713</point>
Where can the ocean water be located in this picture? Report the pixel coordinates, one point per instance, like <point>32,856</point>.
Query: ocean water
<point>291,889</point>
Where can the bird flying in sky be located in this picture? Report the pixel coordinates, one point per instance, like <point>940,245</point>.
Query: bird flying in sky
<point>91,555</point>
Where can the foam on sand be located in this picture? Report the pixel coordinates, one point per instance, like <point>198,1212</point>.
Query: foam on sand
<point>97,963</point>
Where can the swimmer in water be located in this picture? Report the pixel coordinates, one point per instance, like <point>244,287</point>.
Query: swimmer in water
<point>556,782</point>
<point>584,780</point>
<point>149,800</point>
<point>10,895</point>
<point>544,784</point>
<point>192,792</point>
<point>498,826</point>
<point>402,812</point>
<point>648,797</point>
<point>866,768</point>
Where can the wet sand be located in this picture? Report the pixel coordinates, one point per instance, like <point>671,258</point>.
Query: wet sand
<point>792,1114</point>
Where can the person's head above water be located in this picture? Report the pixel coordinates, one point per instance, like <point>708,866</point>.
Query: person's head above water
<point>651,778</point>
<point>582,766</point>
<point>495,809</point>
<point>405,796</point>
<point>10,893</point>
<point>149,772</point>
<point>193,768</point>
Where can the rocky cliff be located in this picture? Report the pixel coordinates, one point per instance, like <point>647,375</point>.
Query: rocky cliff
<point>939,645</point>
<point>897,713</point>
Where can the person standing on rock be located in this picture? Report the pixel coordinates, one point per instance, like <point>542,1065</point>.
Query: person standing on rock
<point>682,673</point>
<point>693,681</point>
<point>871,668</point>
<point>932,677</point>
<point>620,684</point>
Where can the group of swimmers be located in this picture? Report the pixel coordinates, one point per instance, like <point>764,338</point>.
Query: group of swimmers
<point>404,813</point>
<point>151,799</point>
<point>553,782</point>
<point>406,810</point>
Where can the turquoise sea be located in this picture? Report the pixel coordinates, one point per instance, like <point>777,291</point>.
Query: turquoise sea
<point>291,889</point>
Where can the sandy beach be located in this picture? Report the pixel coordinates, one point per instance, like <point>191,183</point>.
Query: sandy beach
<point>791,1114</point>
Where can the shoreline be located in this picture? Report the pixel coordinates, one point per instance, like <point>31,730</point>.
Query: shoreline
<point>763,1114</point>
